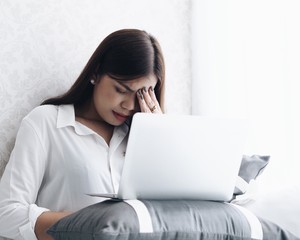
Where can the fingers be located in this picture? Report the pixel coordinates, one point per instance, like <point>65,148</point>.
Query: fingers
<point>142,102</point>
<point>153,97</point>
<point>147,100</point>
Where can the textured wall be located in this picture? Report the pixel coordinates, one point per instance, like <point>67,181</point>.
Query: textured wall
<point>45,45</point>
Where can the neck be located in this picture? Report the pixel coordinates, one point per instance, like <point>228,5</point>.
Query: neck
<point>87,111</point>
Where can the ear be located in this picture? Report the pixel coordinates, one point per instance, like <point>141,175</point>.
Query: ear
<point>96,78</point>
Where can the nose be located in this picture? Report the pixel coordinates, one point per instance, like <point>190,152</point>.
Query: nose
<point>130,103</point>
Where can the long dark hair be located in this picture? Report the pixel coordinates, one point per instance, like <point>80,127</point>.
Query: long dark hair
<point>124,55</point>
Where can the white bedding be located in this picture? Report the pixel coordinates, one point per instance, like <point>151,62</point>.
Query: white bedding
<point>281,206</point>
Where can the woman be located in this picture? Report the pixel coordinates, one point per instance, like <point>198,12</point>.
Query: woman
<point>75,144</point>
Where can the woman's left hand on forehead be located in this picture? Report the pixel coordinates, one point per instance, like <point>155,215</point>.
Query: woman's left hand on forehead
<point>147,100</point>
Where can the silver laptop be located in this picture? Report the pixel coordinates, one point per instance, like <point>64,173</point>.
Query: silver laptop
<point>181,157</point>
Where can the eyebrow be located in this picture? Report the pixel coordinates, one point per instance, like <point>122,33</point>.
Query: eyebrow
<point>125,86</point>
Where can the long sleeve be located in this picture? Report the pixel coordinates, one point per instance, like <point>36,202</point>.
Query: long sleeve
<point>20,184</point>
<point>54,164</point>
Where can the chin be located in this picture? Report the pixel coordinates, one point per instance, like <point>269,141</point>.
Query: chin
<point>114,122</point>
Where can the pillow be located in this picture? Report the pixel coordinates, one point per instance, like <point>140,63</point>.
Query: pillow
<point>166,220</point>
<point>251,167</point>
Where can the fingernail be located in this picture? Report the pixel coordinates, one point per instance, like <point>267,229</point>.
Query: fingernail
<point>140,94</point>
<point>151,88</point>
<point>144,89</point>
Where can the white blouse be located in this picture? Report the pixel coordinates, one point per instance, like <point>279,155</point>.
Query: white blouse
<point>56,161</point>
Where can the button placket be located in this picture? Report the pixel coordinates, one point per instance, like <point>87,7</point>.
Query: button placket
<point>110,167</point>
<point>114,156</point>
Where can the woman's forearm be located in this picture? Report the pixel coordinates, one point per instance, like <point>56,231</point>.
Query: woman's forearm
<point>45,221</point>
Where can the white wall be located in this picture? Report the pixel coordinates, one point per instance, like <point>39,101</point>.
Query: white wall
<point>45,45</point>
<point>246,61</point>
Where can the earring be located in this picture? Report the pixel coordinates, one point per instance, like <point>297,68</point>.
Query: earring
<point>92,81</point>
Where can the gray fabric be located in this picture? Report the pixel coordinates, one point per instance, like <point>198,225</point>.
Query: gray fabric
<point>106,220</point>
<point>251,167</point>
<point>197,220</point>
<point>274,232</point>
<point>112,220</point>
<point>172,220</point>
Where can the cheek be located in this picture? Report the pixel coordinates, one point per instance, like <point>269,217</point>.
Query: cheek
<point>107,98</point>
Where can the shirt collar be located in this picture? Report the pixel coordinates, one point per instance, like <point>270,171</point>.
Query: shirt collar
<point>65,116</point>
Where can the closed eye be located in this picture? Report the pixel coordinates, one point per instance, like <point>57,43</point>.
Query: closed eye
<point>119,90</point>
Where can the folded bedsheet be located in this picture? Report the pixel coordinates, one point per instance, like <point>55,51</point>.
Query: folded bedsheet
<point>166,220</point>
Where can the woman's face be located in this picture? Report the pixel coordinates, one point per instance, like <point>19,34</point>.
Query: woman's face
<point>116,100</point>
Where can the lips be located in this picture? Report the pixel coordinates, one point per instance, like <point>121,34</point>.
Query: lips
<point>120,116</point>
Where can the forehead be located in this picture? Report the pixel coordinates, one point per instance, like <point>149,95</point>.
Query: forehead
<point>138,83</point>
<point>149,80</point>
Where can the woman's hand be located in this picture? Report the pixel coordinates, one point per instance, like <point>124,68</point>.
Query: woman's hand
<point>45,221</point>
<point>147,100</point>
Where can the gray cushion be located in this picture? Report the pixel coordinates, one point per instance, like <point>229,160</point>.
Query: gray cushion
<point>176,220</point>
<point>112,220</point>
<point>251,167</point>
